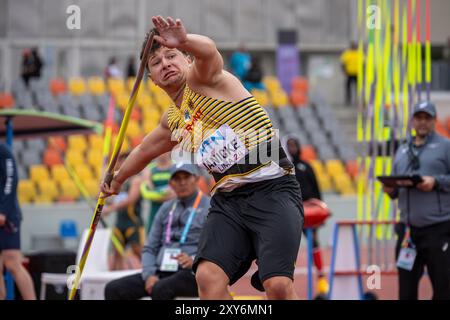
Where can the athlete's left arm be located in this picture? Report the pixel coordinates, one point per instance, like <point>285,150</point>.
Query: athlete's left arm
<point>208,62</point>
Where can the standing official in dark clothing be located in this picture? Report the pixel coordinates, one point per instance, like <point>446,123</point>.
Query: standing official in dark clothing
<point>424,227</point>
<point>310,190</point>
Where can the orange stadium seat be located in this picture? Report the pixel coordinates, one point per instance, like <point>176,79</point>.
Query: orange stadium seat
<point>6,100</point>
<point>58,143</point>
<point>52,157</point>
<point>298,98</point>
<point>300,84</point>
<point>308,153</point>
<point>57,86</point>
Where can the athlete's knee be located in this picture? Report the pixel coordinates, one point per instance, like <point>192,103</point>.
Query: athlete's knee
<point>210,277</point>
<point>279,287</point>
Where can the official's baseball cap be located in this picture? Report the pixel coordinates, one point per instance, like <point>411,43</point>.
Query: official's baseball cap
<point>189,168</point>
<point>425,106</point>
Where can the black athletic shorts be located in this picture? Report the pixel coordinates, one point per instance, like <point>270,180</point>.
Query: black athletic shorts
<point>10,236</point>
<point>262,221</point>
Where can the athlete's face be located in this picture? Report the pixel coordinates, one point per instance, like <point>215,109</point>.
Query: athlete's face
<point>423,123</point>
<point>168,67</point>
<point>183,184</point>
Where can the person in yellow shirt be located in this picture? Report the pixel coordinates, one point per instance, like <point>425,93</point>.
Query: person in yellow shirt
<point>350,65</point>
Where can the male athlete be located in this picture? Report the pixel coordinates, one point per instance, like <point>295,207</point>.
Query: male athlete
<point>256,209</point>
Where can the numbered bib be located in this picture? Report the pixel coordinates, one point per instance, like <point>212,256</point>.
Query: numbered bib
<point>169,264</point>
<point>406,258</point>
<point>221,150</point>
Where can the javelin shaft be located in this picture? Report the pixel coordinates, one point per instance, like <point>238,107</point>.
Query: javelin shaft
<point>82,188</point>
<point>110,170</point>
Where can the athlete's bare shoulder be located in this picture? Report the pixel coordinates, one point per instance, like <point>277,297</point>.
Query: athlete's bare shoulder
<point>226,88</point>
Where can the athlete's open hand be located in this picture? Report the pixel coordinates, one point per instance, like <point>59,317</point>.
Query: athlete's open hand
<point>172,33</point>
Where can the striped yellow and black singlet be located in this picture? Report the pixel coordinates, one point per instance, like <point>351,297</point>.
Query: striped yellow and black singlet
<point>200,116</point>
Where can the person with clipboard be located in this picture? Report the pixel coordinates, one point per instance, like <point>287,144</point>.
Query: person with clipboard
<point>171,245</point>
<point>424,202</point>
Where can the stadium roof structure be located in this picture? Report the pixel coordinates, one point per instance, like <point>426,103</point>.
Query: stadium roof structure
<point>28,124</point>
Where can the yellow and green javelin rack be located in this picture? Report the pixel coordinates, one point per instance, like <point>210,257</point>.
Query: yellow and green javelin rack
<point>390,80</point>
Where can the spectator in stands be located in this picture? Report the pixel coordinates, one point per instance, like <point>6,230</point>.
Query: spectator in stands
<point>10,220</point>
<point>310,190</point>
<point>31,65</point>
<point>131,67</point>
<point>155,186</point>
<point>112,70</point>
<point>350,60</point>
<point>129,226</point>
<point>240,62</point>
<point>424,227</point>
<point>169,251</point>
<point>254,76</point>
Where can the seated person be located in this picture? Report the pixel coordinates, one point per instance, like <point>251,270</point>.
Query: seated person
<point>171,245</point>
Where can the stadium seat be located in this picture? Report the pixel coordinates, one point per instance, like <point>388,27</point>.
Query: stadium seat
<point>59,173</point>
<point>95,142</point>
<point>6,100</point>
<point>261,96</point>
<point>58,143</point>
<point>134,129</point>
<point>334,166</point>
<point>38,172</point>
<point>26,191</point>
<point>144,100</point>
<point>136,115</point>
<point>272,83</point>
<point>57,86</point>
<point>298,99</point>
<point>48,188</point>
<point>83,171</point>
<point>300,84</point>
<point>308,153</point>
<point>352,168</point>
<point>116,86</point>
<point>97,171</point>
<point>162,100</point>
<point>74,157</point>
<point>69,191</point>
<point>122,100</point>
<point>95,157</point>
<point>52,157</point>
<point>279,99</point>
<point>77,86</point>
<point>77,143</point>
<point>93,187</point>
<point>96,86</point>
<point>324,182</point>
